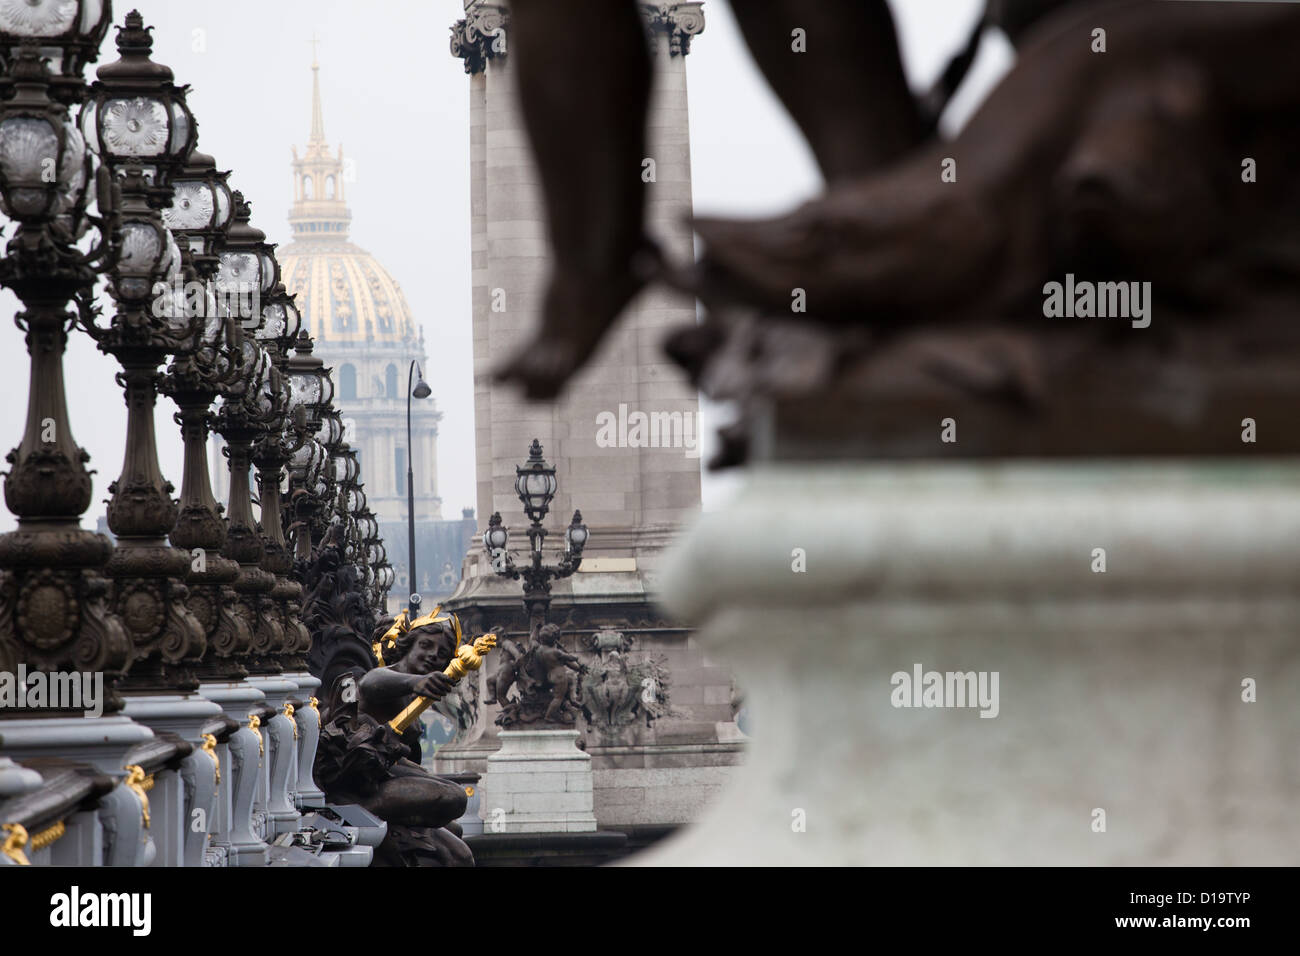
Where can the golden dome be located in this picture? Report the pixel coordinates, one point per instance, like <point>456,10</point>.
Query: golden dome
<point>343,293</point>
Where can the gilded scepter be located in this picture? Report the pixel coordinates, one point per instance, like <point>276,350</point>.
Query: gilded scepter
<point>469,657</point>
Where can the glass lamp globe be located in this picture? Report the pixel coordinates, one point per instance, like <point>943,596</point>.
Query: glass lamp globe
<point>535,483</point>
<point>44,165</point>
<point>68,34</point>
<point>200,211</point>
<point>136,112</point>
<point>496,536</point>
<point>576,534</point>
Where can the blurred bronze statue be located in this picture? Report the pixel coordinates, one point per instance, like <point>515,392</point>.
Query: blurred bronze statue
<point>849,97</point>
<point>1134,141</point>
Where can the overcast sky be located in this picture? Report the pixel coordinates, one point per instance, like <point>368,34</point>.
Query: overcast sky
<point>399,104</point>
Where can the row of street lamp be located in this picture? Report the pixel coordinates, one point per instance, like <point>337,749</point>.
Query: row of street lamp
<point>200,314</point>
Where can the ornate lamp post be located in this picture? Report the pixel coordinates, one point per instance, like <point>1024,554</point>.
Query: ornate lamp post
<point>54,613</point>
<point>352,501</point>
<point>198,217</point>
<point>241,419</point>
<point>312,390</point>
<point>421,390</point>
<point>287,432</point>
<point>535,484</point>
<point>144,132</point>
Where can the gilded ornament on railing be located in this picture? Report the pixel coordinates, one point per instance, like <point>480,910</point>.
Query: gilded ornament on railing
<point>14,842</point>
<point>140,783</point>
<point>210,748</point>
<point>49,835</point>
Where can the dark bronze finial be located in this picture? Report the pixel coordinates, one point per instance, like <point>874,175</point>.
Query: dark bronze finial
<point>133,37</point>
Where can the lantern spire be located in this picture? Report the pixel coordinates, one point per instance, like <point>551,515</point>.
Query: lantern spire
<point>319,209</point>
<point>317,115</point>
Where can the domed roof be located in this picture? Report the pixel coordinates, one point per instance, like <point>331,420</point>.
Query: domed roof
<point>342,291</point>
<point>344,294</point>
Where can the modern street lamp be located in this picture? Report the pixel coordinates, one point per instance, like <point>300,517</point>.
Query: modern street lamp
<point>421,390</point>
<point>535,484</point>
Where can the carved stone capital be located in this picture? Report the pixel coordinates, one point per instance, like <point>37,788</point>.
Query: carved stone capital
<point>677,21</point>
<point>481,35</point>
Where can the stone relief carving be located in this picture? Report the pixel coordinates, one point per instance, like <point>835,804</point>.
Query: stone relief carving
<point>618,690</point>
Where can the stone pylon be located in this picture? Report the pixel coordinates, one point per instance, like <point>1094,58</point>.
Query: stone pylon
<point>635,492</point>
<point>631,497</point>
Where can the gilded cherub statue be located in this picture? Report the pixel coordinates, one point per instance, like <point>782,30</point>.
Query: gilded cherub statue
<point>369,750</point>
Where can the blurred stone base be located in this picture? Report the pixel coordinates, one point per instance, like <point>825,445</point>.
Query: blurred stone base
<point>1120,696</point>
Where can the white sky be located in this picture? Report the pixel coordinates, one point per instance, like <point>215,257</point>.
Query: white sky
<point>399,104</point>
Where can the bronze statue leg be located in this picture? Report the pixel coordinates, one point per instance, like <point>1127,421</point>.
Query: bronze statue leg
<point>847,91</point>
<point>584,85</point>
<point>416,798</point>
<point>436,847</point>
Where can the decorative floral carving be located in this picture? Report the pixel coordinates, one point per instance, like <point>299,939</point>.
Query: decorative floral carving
<point>140,605</point>
<point>47,610</point>
<point>138,508</point>
<point>48,481</point>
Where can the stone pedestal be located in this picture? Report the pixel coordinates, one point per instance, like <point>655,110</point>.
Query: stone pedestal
<point>103,743</point>
<point>280,756</point>
<point>1145,713</point>
<point>538,782</point>
<point>177,797</point>
<point>307,717</point>
<point>240,763</point>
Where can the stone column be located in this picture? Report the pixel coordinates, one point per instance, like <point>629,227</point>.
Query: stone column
<point>280,755</point>
<point>625,493</point>
<point>102,743</point>
<point>1142,715</point>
